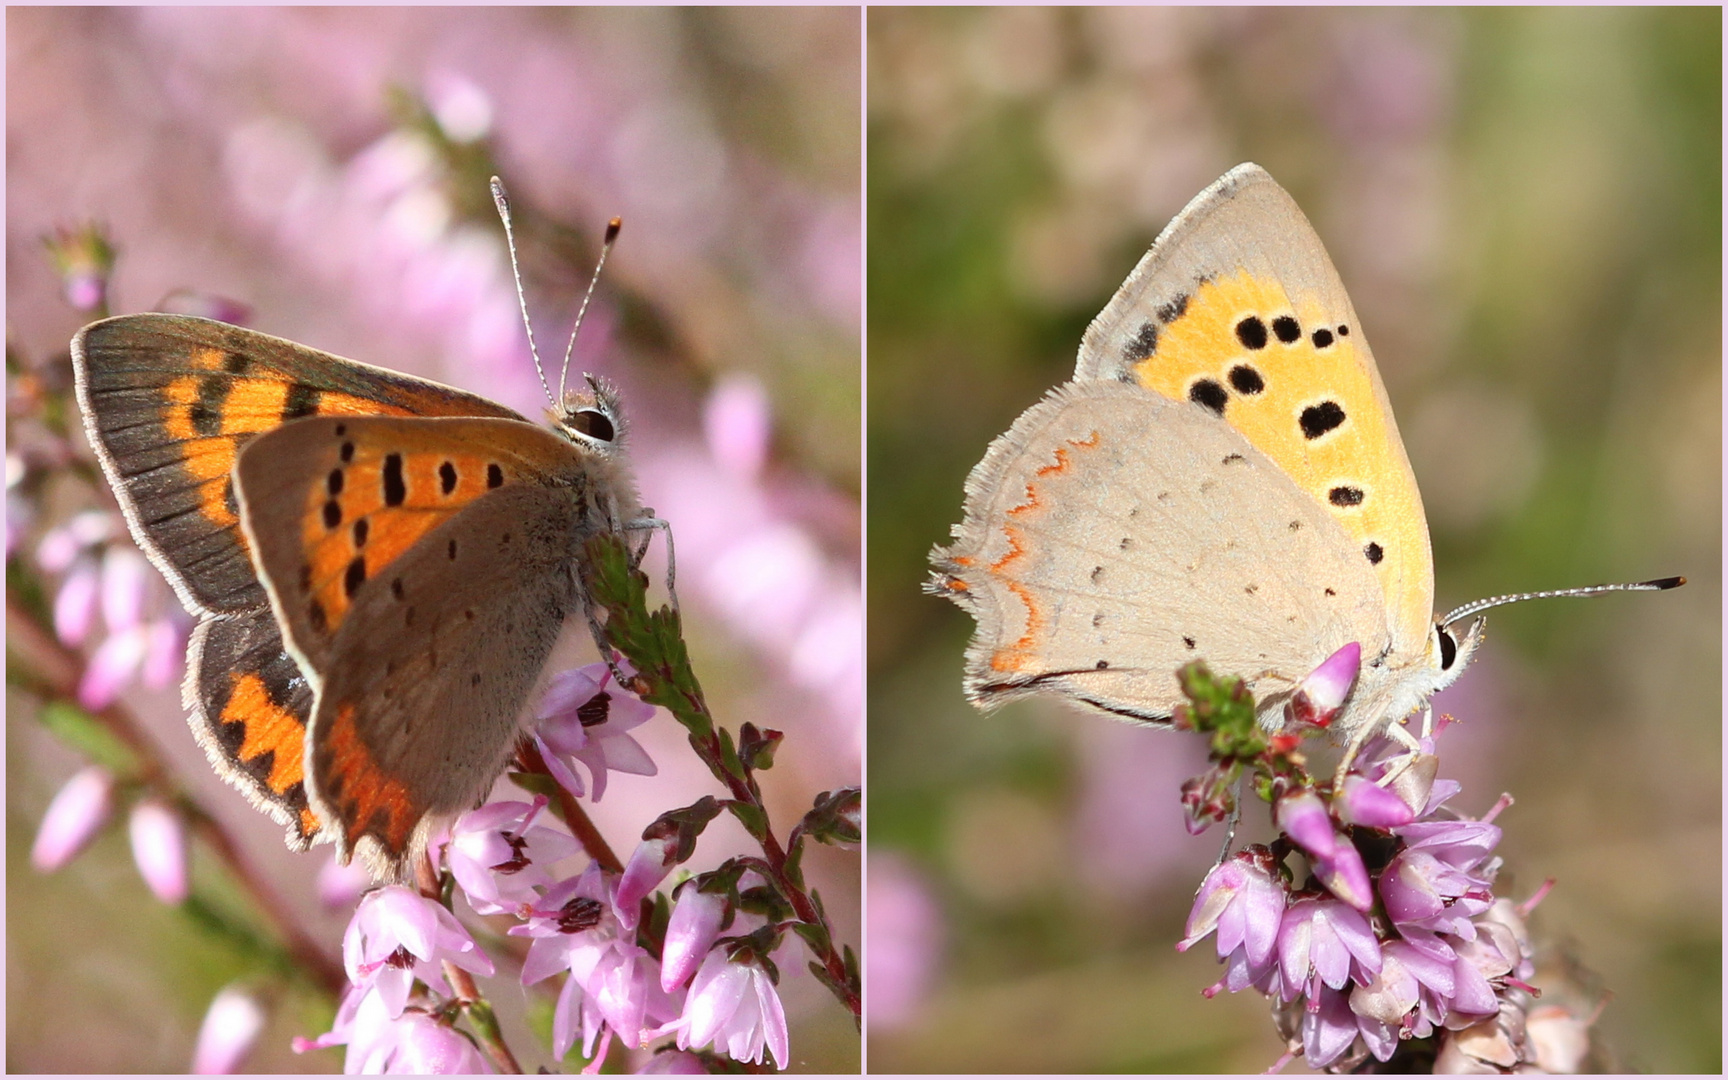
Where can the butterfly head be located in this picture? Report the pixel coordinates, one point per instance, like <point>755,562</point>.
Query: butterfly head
<point>591,417</point>
<point>1450,649</point>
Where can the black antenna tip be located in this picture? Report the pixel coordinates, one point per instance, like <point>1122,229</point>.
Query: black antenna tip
<point>612,228</point>
<point>1666,583</point>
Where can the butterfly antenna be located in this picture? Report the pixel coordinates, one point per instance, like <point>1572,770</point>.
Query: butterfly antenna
<point>612,228</point>
<point>503,204</point>
<point>1470,609</point>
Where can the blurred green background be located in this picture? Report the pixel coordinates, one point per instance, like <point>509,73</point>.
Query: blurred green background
<point>1526,207</point>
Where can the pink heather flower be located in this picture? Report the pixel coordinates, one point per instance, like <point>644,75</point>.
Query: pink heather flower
<point>1303,816</point>
<point>363,1024</point>
<point>734,1007</point>
<point>397,936</point>
<point>75,603</point>
<point>499,856</point>
<point>1319,696</point>
<point>112,666</point>
<point>159,849</point>
<point>583,719</point>
<point>341,886</point>
<point>1345,876</point>
<point>736,421</point>
<point>1243,900</point>
<point>410,1042</point>
<point>125,581</point>
<point>78,812</point>
<point>575,929</point>
<point>1440,881</point>
<point>1363,802</point>
<point>692,930</point>
<point>1323,941</point>
<point>1330,1028</point>
<point>164,648</point>
<point>61,545</point>
<point>426,1046</point>
<point>230,1028</point>
<point>649,864</point>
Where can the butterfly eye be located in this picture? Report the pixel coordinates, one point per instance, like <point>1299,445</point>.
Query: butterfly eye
<point>594,424</point>
<point>1448,648</point>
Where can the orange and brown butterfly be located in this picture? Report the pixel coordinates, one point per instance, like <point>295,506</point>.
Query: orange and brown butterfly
<point>379,563</point>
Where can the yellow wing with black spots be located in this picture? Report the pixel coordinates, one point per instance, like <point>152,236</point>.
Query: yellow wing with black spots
<point>1238,309</point>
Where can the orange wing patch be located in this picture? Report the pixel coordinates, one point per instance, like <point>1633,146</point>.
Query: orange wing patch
<point>372,506</point>
<point>269,729</point>
<point>1293,381</point>
<point>365,798</point>
<point>1017,655</point>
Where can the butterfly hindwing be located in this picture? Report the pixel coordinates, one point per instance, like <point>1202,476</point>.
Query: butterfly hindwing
<point>1238,309</point>
<point>250,707</point>
<point>422,706</point>
<point>1111,536</point>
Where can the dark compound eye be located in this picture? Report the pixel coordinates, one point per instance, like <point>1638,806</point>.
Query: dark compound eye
<point>1448,648</point>
<point>594,424</point>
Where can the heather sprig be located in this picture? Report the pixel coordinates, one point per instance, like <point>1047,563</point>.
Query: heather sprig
<point>1370,921</point>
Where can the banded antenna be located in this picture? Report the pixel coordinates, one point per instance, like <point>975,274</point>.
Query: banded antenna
<point>502,202</point>
<point>1655,585</point>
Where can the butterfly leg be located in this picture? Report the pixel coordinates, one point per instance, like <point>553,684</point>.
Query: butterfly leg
<point>1397,732</point>
<point>604,644</point>
<point>650,524</point>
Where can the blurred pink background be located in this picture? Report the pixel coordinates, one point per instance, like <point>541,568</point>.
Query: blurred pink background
<point>327,168</point>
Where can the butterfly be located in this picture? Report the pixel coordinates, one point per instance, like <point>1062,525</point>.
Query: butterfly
<point>1222,480</point>
<point>379,564</point>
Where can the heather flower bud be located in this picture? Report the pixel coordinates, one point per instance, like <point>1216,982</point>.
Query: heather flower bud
<point>159,849</point>
<point>1319,696</point>
<point>78,811</point>
<point>1363,802</point>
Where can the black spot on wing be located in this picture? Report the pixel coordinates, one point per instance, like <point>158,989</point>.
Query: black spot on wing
<point>395,490</point>
<point>1317,420</point>
<point>1286,328</point>
<point>1143,344</point>
<point>1209,393</point>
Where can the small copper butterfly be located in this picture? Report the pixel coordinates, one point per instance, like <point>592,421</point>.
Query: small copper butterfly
<point>379,564</point>
<point>1222,480</point>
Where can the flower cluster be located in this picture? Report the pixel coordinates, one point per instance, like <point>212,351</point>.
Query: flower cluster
<point>598,927</point>
<point>1394,942</point>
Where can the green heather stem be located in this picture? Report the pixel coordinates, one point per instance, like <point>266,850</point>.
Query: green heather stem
<point>653,642</point>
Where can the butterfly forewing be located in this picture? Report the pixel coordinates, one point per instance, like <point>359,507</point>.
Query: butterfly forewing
<point>169,401</point>
<point>1238,309</point>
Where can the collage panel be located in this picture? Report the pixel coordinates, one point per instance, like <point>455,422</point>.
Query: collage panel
<point>393,576</point>
<point>1524,206</point>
